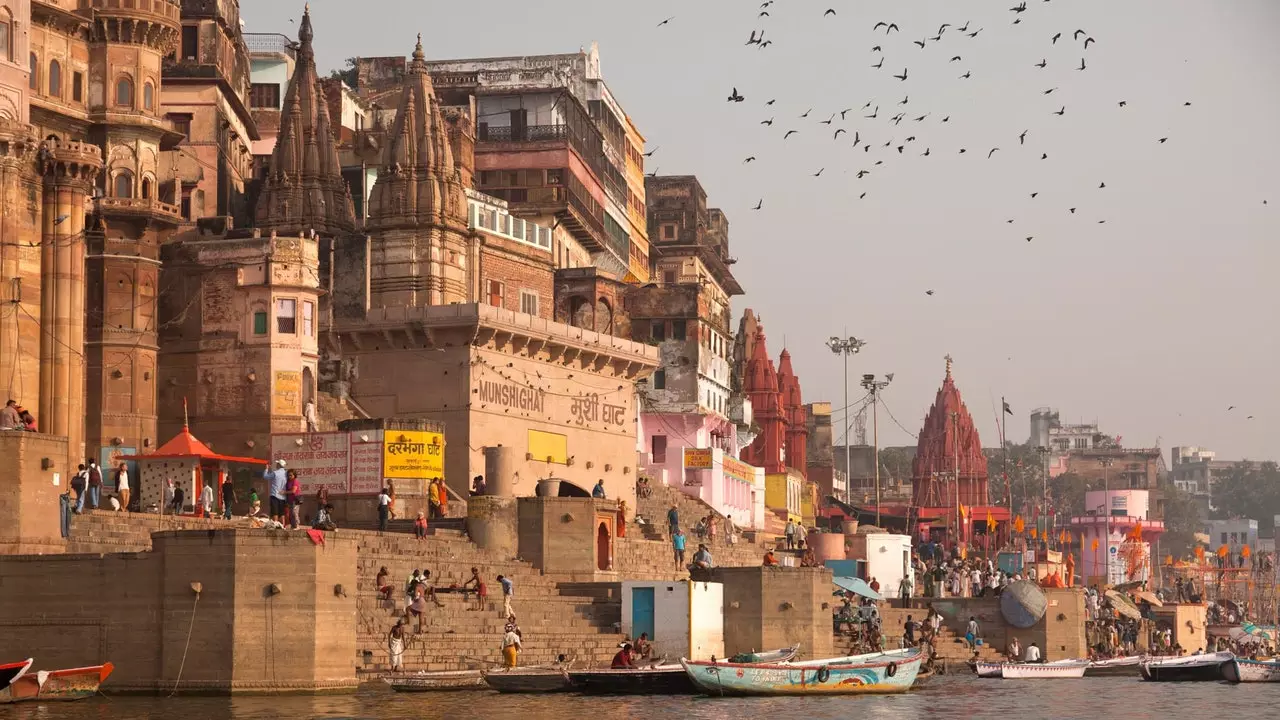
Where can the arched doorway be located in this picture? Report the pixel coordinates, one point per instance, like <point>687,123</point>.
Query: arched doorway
<point>568,489</point>
<point>603,547</point>
<point>308,386</point>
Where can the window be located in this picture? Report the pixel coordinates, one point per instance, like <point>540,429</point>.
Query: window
<point>123,185</point>
<point>264,95</point>
<point>1224,538</point>
<point>287,316</point>
<point>182,125</point>
<point>528,302</point>
<point>495,293</point>
<point>33,66</point>
<point>555,177</point>
<point>146,188</point>
<point>55,78</point>
<point>668,231</point>
<point>190,41</point>
<point>659,330</point>
<point>6,35</point>
<point>148,95</point>
<point>668,277</point>
<point>260,322</point>
<point>660,380</point>
<point>308,318</point>
<point>678,329</point>
<point>77,87</point>
<point>124,92</point>
<point>659,449</point>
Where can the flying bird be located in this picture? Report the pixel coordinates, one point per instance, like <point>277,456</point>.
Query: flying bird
<point>965,28</point>
<point>830,11</point>
<point>1043,62</point>
<point>862,172</point>
<point>992,152</point>
<point>956,58</point>
<point>1072,210</point>
<point>837,133</point>
<point>651,152</point>
<point>1233,407</point>
<point>806,113</point>
<point>1061,111</point>
<point>1030,238</point>
<point>905,100</point>
<point>903,76</point>
<point>1044,156</point>
<point>1082,66</point>
<point>879,65</point>
<point>1076,35</point>
<point>919,42</point>
<point>1022,139</point>
<point>1101,185</point>
<point>759,204</point>
<point>735,97</point>
<point>1087,41</point>
<point>767,122</point>
<point>862,196</point>
<point>829,120</point>
<point>753,39</point>
<point>974,34</point>
<point>750,159</point>
<point>771,102</point>
<point>1055,39</point>
<point>1049,91</point>
<point>925,153</point>
<point>819,173</point>
<point>876,49</point>
<point>921,118</point>
<point>966,75</point>
<point>1164,140</point>
<point>928,292</point>
<point>1034,194</point>
<point>1123,103</point>
<point>1186,104</point>
<point>946,119</point>
<point>1019,8</point>
<point>846,110</point>
<point>789,134</point>
<point>664,22</point>
<point>873,114</point>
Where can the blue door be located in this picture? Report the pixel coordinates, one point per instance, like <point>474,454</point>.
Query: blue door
<point>642,612</point>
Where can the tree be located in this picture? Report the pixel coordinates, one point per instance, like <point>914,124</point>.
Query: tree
<point>1249,490</point>
<point>347,75</point>
<point>1024,468</point>
<point>1181,522</point>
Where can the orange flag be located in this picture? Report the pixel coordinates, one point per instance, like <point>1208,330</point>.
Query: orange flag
<point>1034,533</point>
<point>1018,525</point>
<point>991,522</point>
<point>1094,545</point>
<point>1245,551</point>
<point>1200,553</point>
<point>964,512</point>
<point>1222,551</point>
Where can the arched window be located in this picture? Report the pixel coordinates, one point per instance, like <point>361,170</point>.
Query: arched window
<point>6,35</point>
<point>148,95</point>
<point>55,78</point>
<point>33,82</point>
<point>124,92</point>
<point>146,188</point>
<point>123,185</point>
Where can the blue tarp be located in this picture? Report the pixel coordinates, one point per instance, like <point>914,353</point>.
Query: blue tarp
<point>857,586</point>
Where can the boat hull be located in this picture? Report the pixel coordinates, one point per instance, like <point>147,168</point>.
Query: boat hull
<point>527,681</point>
<point>881,673</point>
<point>445,681</point>
<point>1044,671</point>
<point>1121,667</point>
<point>57,685</point>
<point>1209,669</point>
<point>1251,671</point>
<point>12,671</point>
<point>664,680</point>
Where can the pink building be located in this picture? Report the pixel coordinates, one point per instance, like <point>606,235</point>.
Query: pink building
<point>1109,555</point>
<point>712,474</point>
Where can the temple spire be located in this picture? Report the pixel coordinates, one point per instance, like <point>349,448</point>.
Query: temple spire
<point>948,359</point>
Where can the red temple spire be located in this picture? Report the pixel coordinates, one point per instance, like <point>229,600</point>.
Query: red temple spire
<point>761,386</point>
<point>797,435</point>
<point>949,446</point>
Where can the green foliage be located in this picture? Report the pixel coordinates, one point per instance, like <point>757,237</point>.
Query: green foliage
<point>346,75</point>
<point>1250,490</point>
<point>1181,522</point>
<point>896,462</point>
<point>1024,468</point>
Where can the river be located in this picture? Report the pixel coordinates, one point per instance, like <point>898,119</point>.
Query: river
<point>944,697</point>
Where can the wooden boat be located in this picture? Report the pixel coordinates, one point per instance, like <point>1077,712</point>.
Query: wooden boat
<point>887,672</point>
<point>1057,669</point>
<point>528,680</point>
<point>13,671</point>
<point>440,680</point>
<point>1113,667</point>
<point>657,679</point>
<point>48,685</point>
<point>1188,668</point>
<point>1240,670</point>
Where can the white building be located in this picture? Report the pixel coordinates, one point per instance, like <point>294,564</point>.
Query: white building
<point>682,619</point>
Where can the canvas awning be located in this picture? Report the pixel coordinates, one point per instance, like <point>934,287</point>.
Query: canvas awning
<point>857,586</point>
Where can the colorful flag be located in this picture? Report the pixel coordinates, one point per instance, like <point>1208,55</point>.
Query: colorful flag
<point>1094,545</point>
<point>1034,533</point>
<point>991,522</point>
<point>1018,524</point>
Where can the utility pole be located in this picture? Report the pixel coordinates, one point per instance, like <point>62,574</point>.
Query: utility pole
<point>874,387</point>
<point>1044,500</point>
<point>1106,507</point>
<point>846,347</point>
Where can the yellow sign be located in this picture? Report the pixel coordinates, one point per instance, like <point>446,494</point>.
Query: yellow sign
<point>286,396</point>
<point>548,447</point>
<point>412,454</point>
<point>697,459</point>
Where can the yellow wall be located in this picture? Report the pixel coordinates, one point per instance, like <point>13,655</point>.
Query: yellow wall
<point>780,493</point>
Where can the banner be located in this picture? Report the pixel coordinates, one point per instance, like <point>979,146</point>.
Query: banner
<point>412,454</point>
<point>697,458</point>
<point>738,470</point>
<point>321,459</point>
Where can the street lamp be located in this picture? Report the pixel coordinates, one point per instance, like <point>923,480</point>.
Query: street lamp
<point>1106,507</point>
<point>874,387</point>
<point>846,347</point>
<point>1044,501</point>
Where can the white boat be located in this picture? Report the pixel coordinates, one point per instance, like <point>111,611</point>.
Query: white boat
<point>1127,665</point>
<point>1241,670</point>
<point>1032,671</point>
<point>1206,667</point>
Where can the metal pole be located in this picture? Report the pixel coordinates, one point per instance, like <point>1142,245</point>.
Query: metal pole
<point>1106,507</point>
<point>875,434</point>
<point>848,468</point>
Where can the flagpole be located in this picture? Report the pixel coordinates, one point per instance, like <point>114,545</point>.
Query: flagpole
<point>1004,462</point>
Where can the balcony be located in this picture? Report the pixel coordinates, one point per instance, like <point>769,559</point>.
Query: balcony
<point>529,133</point>
<point>269,44</point>
<point>140,207</point>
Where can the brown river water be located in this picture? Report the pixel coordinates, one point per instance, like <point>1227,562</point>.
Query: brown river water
<point>944,697</point>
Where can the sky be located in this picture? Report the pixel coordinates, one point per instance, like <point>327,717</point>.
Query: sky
<point>1152,324</point>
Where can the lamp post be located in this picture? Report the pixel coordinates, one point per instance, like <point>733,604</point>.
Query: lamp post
<point>1044,501</point>
<point>874,387</point>
<point>846,347</point>
<point>1106,507</point>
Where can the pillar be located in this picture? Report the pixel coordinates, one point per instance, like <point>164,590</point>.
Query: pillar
<point>19,265</point>
<point>499,471</point>
<point>70,169</point>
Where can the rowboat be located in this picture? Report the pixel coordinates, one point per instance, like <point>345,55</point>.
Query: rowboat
<point>439,680</point>
<point>13,671</point>
<point>1057,669</point>
<point>1187,668</point>
<point>657,679</point>
<point>1113,667</point>
<point>1240,670</point>
<point>47,685</point>
<point>527,680</point>
<point>886,672</point>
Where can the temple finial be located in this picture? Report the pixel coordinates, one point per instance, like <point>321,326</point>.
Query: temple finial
<point>419,58</point>
<point>948,359</point>
<point>305,33</point>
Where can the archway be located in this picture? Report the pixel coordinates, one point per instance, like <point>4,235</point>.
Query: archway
<point>568,489</point>
<point>581,313</point>
<point>308,386</point>
<point>603,547</point>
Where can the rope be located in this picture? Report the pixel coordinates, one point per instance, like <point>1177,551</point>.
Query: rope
<point>187,647</point>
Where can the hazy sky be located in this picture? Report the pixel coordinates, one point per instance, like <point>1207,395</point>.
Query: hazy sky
<point>1152,324</point>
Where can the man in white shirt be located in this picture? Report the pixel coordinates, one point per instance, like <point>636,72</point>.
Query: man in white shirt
<point>1033,653</point>
<point>122,485</point>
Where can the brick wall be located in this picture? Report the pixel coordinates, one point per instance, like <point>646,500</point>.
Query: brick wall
<point>518,268</point>
<point>28,496</point>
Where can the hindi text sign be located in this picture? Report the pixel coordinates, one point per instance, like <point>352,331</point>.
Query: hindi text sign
<point>412,454</point>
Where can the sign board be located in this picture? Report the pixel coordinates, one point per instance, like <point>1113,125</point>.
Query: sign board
<point>109,463</point>
<point>321,459</point>
<point>412,454</point>
<point>698,458</point>
<point>738,470</point>
<point>286,393</point>
<point>366,468</point>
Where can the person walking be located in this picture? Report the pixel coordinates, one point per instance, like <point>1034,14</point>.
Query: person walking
<point>276,481</point>
<point>971,633</point>
<point>206,502</point>
<point>677,547</point>
<point>673,520</point>
<point>790,533</point>
<point>228,495</point>
<point>802,536</point>
<point>384,509</point>
<point>95,485</point>
<point>508,592</point>
<point>122,485</point>
<point>79,483</point>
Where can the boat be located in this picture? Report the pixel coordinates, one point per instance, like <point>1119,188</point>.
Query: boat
<point>885,672</point>
<point>1113,667</point>
<point>528,680</point>
<point>1038,671</point>
<point>439,680</point>
<point>1187,668</point>
<point>1241,670</point>
<point>48,685</point>
<point>13,671</point>
<point>658,679</point>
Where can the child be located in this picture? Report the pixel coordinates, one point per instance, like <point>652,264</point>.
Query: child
<point>420,526</point>
<point>255,505</point>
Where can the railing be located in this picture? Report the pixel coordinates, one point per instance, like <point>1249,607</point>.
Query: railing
<point>500,222</point>
<point>529,133</point>
<point>268,43</point>
<point>139,205</point>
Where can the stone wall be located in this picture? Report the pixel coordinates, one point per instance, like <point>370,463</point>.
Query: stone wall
<point>28,495</point>
<point>1059,634</point>
<point>766,608</point>
<point>269,616</point>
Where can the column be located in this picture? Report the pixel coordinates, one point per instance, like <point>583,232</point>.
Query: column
<point>19,266</point>
<point>70,169</point>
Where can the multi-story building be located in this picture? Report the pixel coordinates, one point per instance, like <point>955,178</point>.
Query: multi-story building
<point>1196,470</point>
<point>272,58</point>
<point>1047,430</point>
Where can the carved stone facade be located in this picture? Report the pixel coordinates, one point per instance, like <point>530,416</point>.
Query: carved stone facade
<point>949,456</point>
